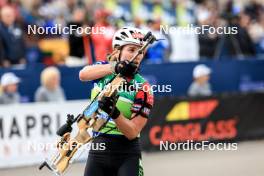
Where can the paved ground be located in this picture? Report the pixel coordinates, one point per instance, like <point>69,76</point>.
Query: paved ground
<point>248,160</point>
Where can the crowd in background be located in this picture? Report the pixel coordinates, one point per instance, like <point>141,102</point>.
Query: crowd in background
<point>49,90</point>
<point>17,46</point>
<point>20,47</point>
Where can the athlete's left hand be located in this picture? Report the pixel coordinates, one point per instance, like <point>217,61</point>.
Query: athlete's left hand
<point>107,104</point>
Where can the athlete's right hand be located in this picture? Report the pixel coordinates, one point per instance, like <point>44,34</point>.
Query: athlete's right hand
<point>107,104</point>
<point>126,68</point>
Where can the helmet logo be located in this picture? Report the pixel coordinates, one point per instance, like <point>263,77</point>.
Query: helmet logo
<point>137,35</point>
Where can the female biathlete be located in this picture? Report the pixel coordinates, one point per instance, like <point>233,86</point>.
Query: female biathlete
<point>122,154</point>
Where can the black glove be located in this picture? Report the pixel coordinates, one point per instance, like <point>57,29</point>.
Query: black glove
<point>107,104</point>
<point>126,68</point>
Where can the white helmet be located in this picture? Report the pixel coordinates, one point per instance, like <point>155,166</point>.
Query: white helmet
<point>128,35</point>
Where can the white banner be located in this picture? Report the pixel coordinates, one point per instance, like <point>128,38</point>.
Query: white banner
<point>27,131</point>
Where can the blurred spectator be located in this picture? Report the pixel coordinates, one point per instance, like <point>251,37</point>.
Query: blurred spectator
<point>246,15</point>
<point>200,86</point>
<point>158,51</point>
<point>76,41</point>
<point>237,45</point>
<point>256,31</point>
<point>9,83</point>
<point>207,14</point>
<point>33,52</point>
<point>12,38</point>
<point>50,89</point>
<point>102,41</point>
<point>244,40</point>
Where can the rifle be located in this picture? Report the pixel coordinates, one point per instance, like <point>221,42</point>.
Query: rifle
<point>91,118</point>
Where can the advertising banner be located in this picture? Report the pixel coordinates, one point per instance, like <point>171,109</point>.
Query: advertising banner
<point>221,118</point>
<point>28,131</point>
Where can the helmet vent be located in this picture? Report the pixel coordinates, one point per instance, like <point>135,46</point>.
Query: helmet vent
<point>118,38</point>
<point>124,34</point>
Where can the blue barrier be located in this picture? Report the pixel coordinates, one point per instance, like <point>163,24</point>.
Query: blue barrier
<point>227,76</point>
